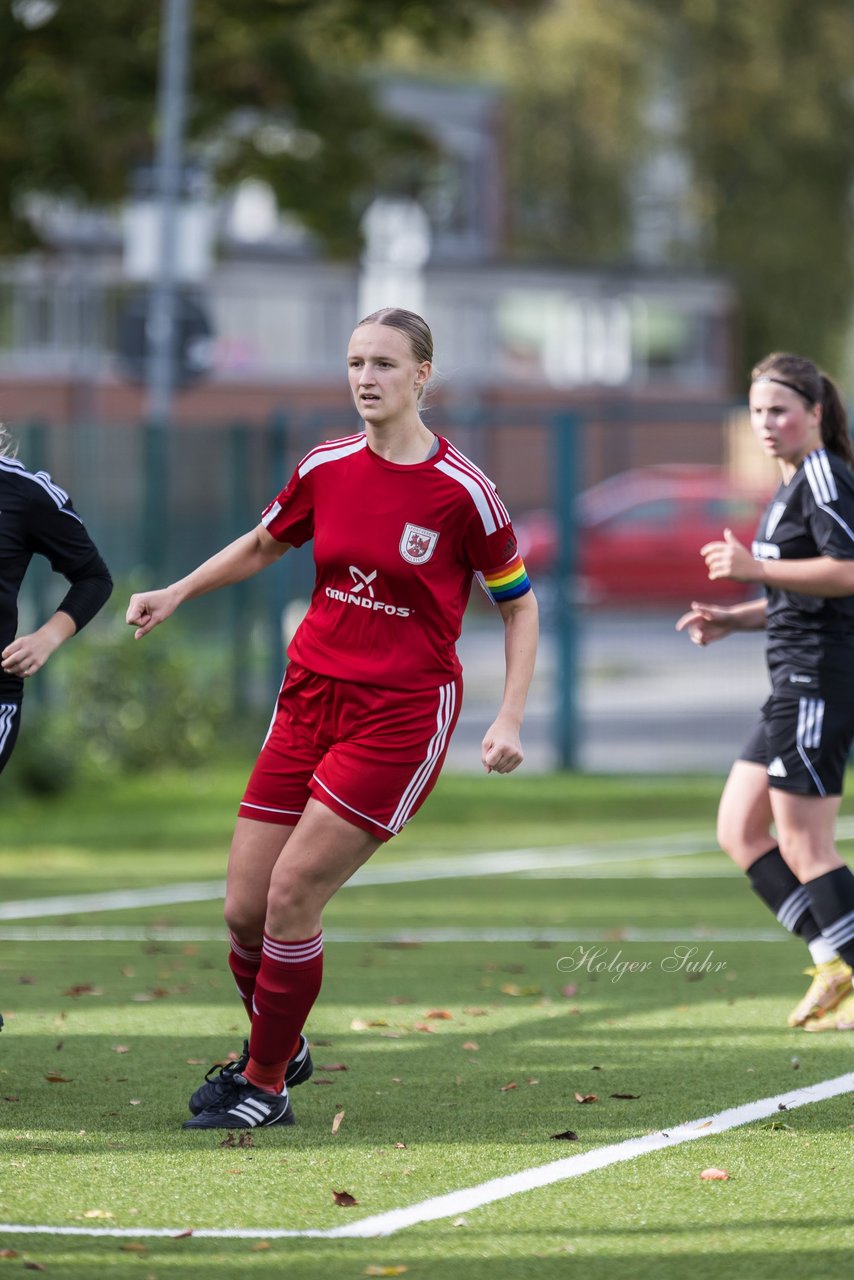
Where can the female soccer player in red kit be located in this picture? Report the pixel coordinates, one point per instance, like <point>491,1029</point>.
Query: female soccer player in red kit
<point>402,522</point>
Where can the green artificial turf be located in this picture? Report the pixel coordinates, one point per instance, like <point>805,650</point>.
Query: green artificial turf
<point>106,1039</point>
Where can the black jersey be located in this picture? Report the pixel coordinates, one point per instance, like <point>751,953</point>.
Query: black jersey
<point>36,517</point>
<point>810,638</point>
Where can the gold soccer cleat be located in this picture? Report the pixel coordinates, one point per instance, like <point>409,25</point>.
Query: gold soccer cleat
<point>839,1019</point>
<point>831,982</point>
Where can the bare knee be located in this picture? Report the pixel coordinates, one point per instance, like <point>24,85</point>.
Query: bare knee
<point>245,920</point>
<point>742,840</point>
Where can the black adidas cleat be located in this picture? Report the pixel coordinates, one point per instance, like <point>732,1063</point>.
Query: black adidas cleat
<point>242,1106</point>
<point>300,1068</point>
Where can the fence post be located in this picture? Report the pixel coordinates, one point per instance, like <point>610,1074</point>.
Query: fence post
<point>566,447</point>
<point>155,508</point>
<point>240,623</point>
<point>277,578</point>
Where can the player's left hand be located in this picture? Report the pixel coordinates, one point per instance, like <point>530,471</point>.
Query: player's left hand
<point>730,559</point>
<point>501,749</point>
<point>27,654</point>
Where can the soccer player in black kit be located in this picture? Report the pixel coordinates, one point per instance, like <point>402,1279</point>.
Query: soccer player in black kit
<point>791,770</point>
<point>36,517</point>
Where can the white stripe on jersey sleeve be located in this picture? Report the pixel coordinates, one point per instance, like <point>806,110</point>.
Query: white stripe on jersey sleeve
<point>466,464</point>
<point>820,477</point>
<point>330,452</point>
<point>272,513</point>
<point>823,486</point>
<point>476,491</point>
<point>43,480</point>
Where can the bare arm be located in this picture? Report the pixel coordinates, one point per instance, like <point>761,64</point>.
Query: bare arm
<point>708,622</point>
<point>501,751</point>
<point>818,576</point>
<point>241,559</point>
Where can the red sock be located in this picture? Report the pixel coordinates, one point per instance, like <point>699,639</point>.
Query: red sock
<point>244,964</point>
<point>287,986</point>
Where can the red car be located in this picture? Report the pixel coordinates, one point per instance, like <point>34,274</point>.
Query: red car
<point>640,533</point>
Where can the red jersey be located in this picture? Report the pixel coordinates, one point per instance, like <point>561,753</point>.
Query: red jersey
<point>396,548</point>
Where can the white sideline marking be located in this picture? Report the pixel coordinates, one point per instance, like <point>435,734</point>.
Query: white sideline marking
<point>191,933</point>
<point>456,1202</point>
<point>504,862</point>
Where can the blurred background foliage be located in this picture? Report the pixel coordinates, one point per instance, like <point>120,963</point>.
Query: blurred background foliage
<point>752,104</point>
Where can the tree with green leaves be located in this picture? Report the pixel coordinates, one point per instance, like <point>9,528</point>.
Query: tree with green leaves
<point>279,92</point>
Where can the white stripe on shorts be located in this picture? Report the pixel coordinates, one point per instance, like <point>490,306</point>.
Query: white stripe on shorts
<point>810,720</point>
<point>7,719</point>
<point>421,777</point>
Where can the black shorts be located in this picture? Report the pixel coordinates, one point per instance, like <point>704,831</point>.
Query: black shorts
<point>10,721</point>
<point>803,742</point>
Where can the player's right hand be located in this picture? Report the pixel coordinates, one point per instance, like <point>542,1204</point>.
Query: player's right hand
<point>149,608</point>
<point>706,622</point>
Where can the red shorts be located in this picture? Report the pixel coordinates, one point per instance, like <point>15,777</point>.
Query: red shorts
<point>371,755</point>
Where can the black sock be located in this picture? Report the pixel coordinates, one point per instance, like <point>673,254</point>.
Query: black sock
<point>832,902</point>
<point>773,880</point>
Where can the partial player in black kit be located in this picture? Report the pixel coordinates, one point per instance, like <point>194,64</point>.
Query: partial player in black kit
<point>791,770</point>
<point>37,518</point>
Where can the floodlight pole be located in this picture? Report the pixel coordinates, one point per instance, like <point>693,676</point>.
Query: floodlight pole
<point>171,110</point>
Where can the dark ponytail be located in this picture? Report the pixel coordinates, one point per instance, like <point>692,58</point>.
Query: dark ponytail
<point>802,376</point>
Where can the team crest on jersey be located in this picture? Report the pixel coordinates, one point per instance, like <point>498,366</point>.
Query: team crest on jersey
<point>417,544</point>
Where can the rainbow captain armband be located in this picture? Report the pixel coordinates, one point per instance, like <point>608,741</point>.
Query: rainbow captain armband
<point>508,582</point>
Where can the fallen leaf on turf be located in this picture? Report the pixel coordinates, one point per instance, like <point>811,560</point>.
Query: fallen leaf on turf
<point>34,1266</point>
<point>425,1026</point>
<point>8,1253</point>
<point>471,1044</point>
<point>715,1175</point>
<point>343,1199</point>
<point>246,1139</point>
<point>439,1013</point>
<point>586,1097</point>
<point>531,1080</point>
<point>120,1048</point>
<point>374,1270</point>
<point>474,1012</point>
<point>135,1102</point>
<point>11,1097</point>
<point>569,990</point>
<point>704,1125</point>
<point>97,1213</point>
<point>506,1087</point>
<point>316,1081</point>
<point>195,1062</point>
<point>182,1235</point>
<point>623,1095</point>
<point>511,989</point>
<point>228,1140</point>
<point>336,1123</point>
<point>567,1134</point>
<point>134,1248</point>
<point>83,989</point>
<point>333,1066</point>
<point>458,1222</point>
<point>261,1246</point>
<point>59,1045</point>
<point>400,1146</point>
<point>53,1077</point>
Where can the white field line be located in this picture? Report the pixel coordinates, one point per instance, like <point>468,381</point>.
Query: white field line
<point>191,933</point>
<point>465,1201</point>
<point>505,862</point>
